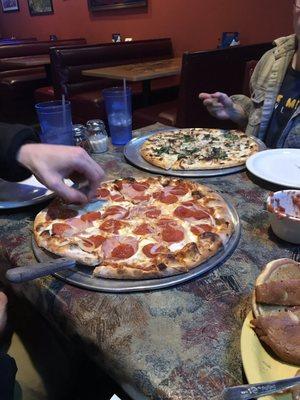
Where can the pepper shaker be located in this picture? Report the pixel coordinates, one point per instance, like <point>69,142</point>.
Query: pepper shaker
<point>81,137</point>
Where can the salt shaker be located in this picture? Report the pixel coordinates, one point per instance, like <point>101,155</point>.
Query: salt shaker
<point>80,137</point>
<point>97,135</point>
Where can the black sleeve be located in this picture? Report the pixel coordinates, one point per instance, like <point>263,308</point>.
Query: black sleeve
<point>12,137</point>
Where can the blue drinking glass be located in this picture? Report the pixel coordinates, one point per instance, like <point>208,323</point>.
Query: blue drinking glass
<point>56,122</point>
<point>118,109</point>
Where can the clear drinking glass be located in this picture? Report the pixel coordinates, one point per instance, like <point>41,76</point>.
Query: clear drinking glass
<point>56,122</point>
<point>118,109</point>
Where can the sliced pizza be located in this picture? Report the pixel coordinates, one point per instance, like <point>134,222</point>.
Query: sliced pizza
<point>139,228</point>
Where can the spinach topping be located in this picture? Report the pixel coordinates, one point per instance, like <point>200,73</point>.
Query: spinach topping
<point>187,152</point>
<point>216,153</point>
<point>187,138</point>
<point>230,136</point>
<point>162,150</point>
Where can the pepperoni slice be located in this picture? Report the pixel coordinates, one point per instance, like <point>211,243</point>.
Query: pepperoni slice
<point>190,211</point>
<point>111,225</point>
<point>117,197</point>
<point>189,203</point>
<point>153,213</point>
<point>117,211</point>
<point>179,190</point>
<point>86,245</point>
<point>206,227</point>
<point>91,216</point>
<point>183,212</point>
<point>140,186</point>
<point>171,235</point>
<point>118,185</point>
<point>111,248</point>
<point>199,229</point>
<point>60,228</point>
<point>103,193</point>
<point>123,251</point>
<point>143,229</point>
<point>166,222</point>
<point>165,198</point>
<point>142,197</point>
<point>151,250</point>
<point>97,240</point>
<point>196,230</point>
<point>200,214</point>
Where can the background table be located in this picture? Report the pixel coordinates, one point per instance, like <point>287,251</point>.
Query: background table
<point>140,72</point>
<point>176,344</point>
<point>26,61</point>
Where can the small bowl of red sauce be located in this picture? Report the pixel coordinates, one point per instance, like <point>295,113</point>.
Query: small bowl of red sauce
<point>284,211</point>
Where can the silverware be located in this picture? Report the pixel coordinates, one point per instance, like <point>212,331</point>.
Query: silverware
<point>23,274</point>
<point>256,390</point>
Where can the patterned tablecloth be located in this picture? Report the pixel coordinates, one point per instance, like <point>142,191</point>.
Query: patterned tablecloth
<point>179,343</point>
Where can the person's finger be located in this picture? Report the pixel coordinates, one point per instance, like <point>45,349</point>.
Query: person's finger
<point>222,98</point>
<point>91,171</point>
<point>213,104</point>
<point>67,193</point>
<point>209,102</point>
<point>204,96</point>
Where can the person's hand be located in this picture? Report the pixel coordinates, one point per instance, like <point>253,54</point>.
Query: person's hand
<point>52,163</point>
<point>3,316</point>
<point>218,104</point>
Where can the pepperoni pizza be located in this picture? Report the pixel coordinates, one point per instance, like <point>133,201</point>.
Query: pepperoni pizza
<point>138,228</point>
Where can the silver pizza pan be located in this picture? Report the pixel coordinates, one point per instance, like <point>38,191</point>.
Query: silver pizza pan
<point>81,275</point>
<point>132,154</point>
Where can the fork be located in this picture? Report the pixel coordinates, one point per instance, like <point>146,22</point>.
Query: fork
<point>253,391</point>
<point>296,254</point>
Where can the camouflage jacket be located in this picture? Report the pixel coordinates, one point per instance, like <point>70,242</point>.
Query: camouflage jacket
<point>264,87</point>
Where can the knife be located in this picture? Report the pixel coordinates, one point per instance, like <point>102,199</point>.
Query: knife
<point>33,271</point>
<point>256,390</point>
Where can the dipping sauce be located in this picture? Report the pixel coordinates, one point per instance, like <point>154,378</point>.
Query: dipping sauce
<point>285,203</point>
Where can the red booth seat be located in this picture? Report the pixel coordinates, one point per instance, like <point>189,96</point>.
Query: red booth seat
<point>85,92</point>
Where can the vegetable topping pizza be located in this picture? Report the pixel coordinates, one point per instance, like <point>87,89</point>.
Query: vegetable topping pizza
<point>198,148</point>
<point>138,228</point>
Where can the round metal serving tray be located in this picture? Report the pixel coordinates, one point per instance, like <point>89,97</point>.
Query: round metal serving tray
<point>82,276</point>
<point>132,154</point>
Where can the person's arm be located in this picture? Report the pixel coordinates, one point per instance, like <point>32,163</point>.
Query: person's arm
<point>52,163</point>
<point>221,106</point>
<point>12,137</point>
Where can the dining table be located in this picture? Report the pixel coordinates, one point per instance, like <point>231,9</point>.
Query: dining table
<point>29,61</point>
<point>179,343</point>
<point>143,72</point>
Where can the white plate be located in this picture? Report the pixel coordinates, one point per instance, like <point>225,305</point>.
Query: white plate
<point>20,194</point>
<point>279,166</point>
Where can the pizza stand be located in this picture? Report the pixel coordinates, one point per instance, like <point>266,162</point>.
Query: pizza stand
<point>178,342</point>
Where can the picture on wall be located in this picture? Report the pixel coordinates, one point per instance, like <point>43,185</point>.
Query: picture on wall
<point>99,5</point>
<point>40,7</point>
<point>10,5</point>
